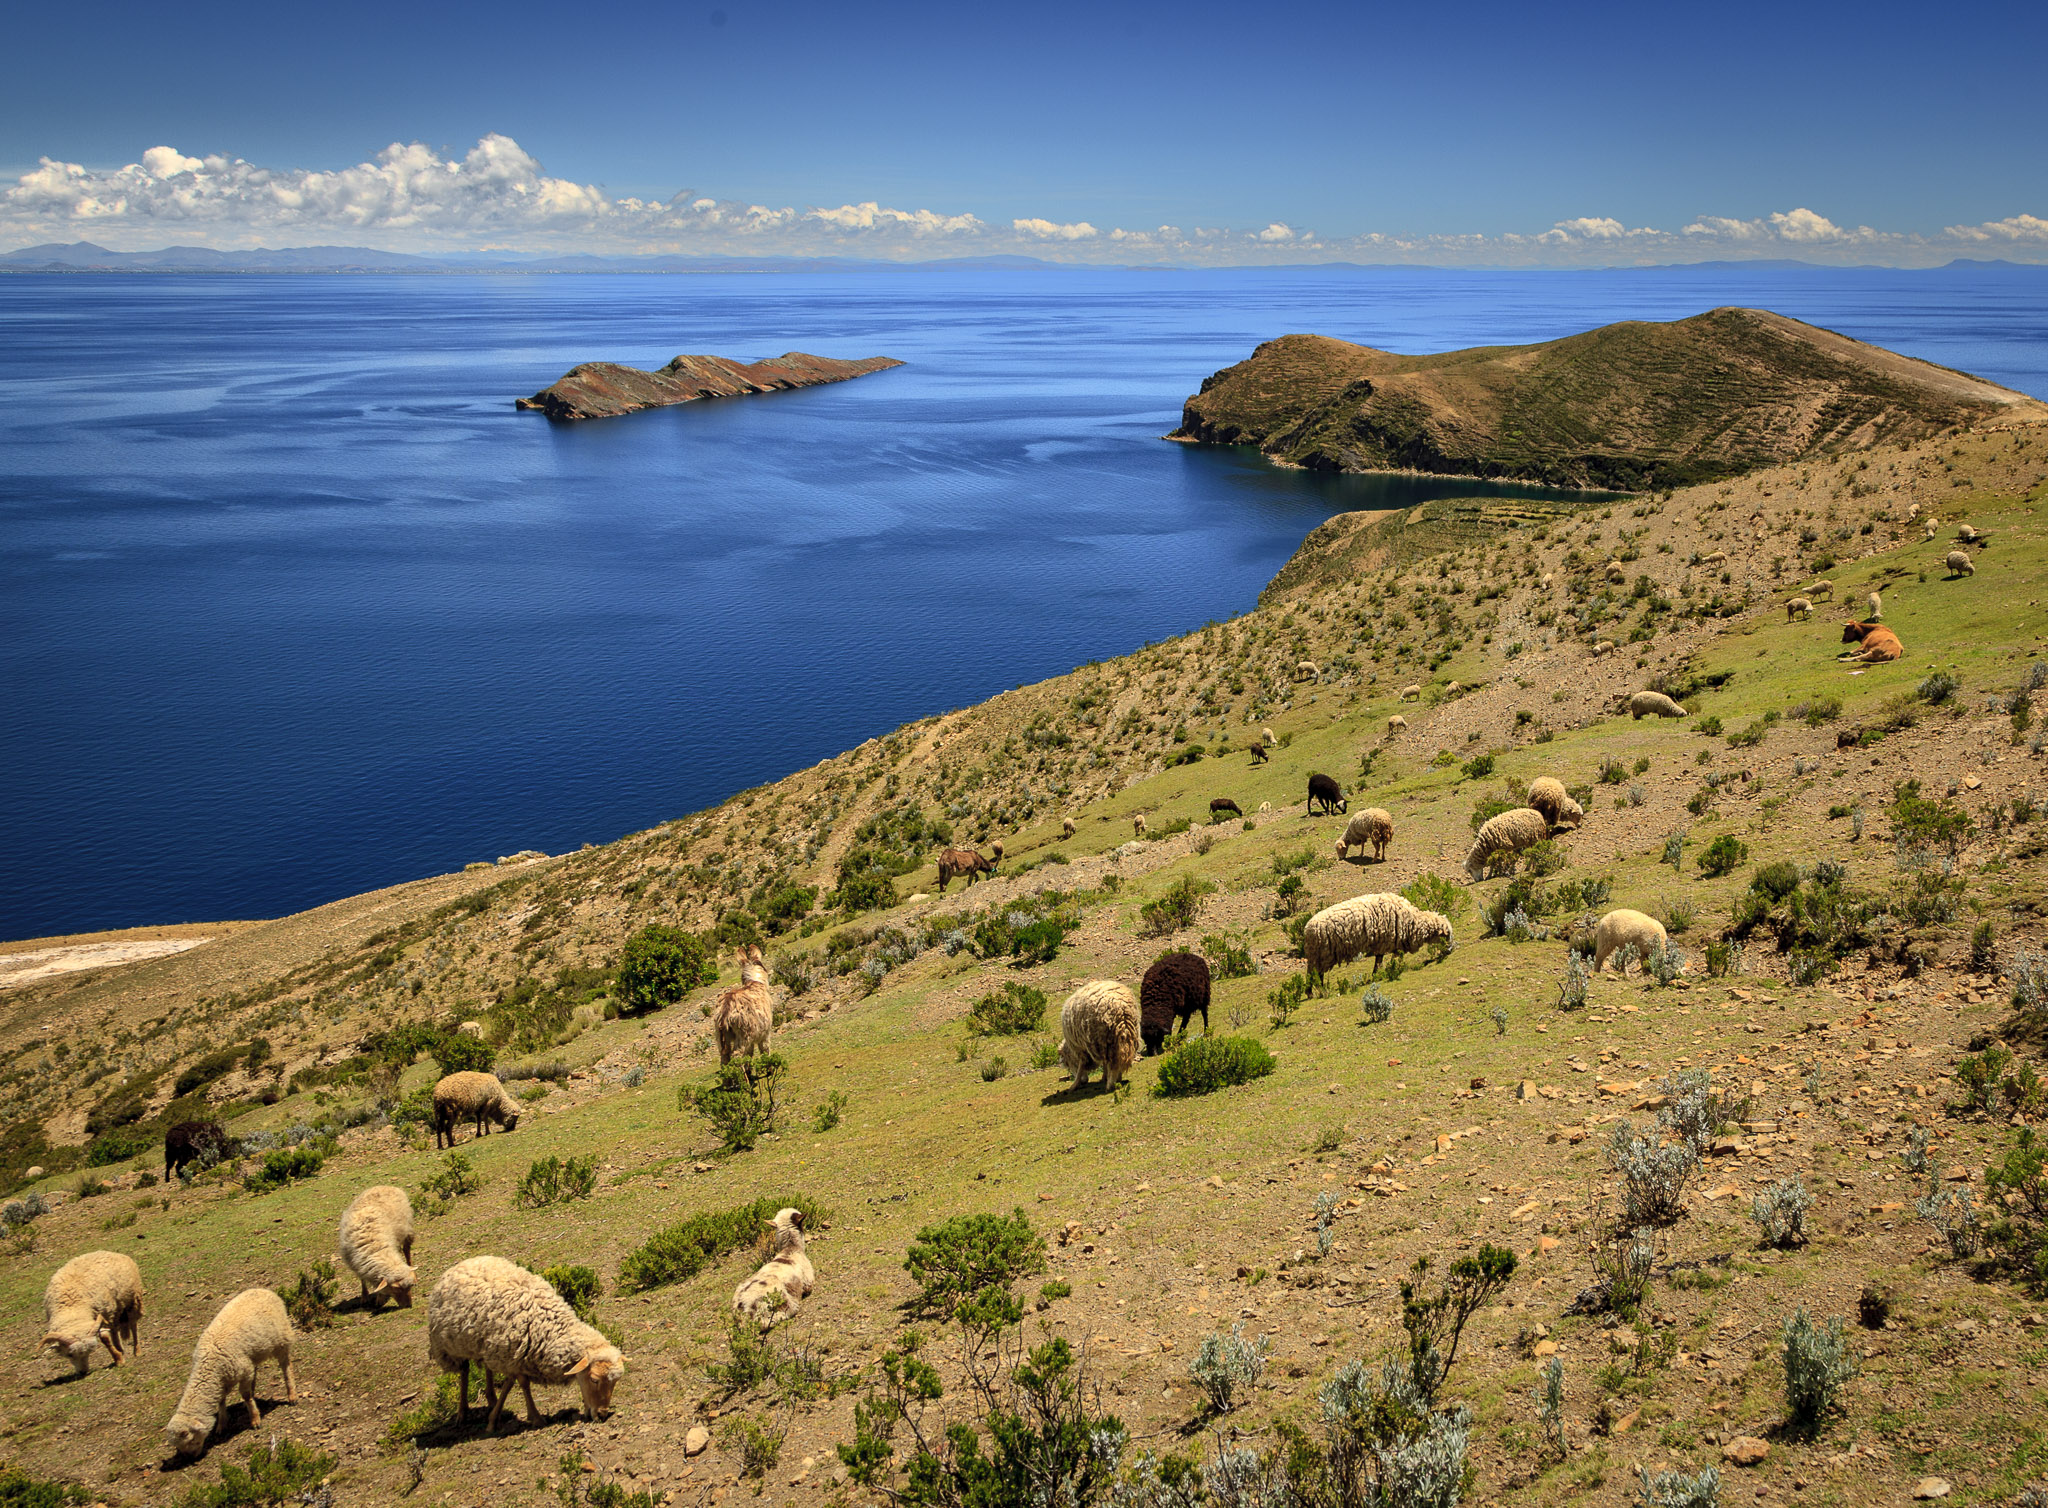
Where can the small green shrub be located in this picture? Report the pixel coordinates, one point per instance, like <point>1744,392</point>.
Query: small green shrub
<point>20,1490</point>
<point>680,1252</point>
<point>661,964</point>
<point>1817,1366</point>
<point>581,1487</point>
<point>1724,854</point>
<point>1709,727</point>
<point>553,1180</point>
<point>1010,1011</point>
<point>285,1166</point>
<point>1201,1065</point>
<point>117,1145</point>
<point>435,1410</point>
<point>580,1288</point>
<point>460,1053</point>
<point>742,1099</point>
<point>310,1300</point>
<point>959,1259</point>
<point>827,1115</point>
<point>1229,955</point>
<point>1432,892</point>
<point>759,1445</point>
<point>1287,999</point>
<point>1478,767</point>
<point>1175,909</point>
<point>458,1177</point>
<point>281,1472</point>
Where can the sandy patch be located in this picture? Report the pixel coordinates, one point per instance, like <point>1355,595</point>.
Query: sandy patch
<point>18,969</point>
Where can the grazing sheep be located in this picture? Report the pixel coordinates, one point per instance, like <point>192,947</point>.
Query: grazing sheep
<point>956,862</point>
<point>93,1300</point>
<point>1221,805</point>
<point>1066,827</point>
<point>1453,689</point>
<point>1269,735</point>
<point>1374,828</point>
<point>1546,579</point>
<point>1369,925</point>
<point>1173,990</point>
<point>1508,832</point>
<point>1411,693</point>
<point>513,1324</point>
<point>1571,814</point>
<point>1876,607</point>
<point>1138,825</point>
<point>1625,929</point>
<point>1099,1026</point>
<point>1322,788</point>
<point>195,1141</point>
<point>1548,796</point>
<point>1932,528</point>
<point>777,1290</point>
<point>1644,703</point>
<point>376,1244</point>
<point>471,1029</point>
<point>745,1013</point>
<point>1395,724</point>
<point>1718,558</point>
<point>1602,647</point>
<point>1307,670</point>
<point>1265,806</point>
<point>995,851</point>
<point>1259,754</point>
<point>1967,535</point>
<point>1959,564</point>
<point>1798,607</point>
<point>1822,588</point>
<point>250,1329</point>
<point>1879,644</point>
<point>474,1097</point>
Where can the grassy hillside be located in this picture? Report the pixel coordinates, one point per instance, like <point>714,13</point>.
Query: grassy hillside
<point>1629,405</point>
<point>1476,1113</point>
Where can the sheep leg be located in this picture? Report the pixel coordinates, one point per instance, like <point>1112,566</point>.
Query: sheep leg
<point>526,1387</point>
<point>462,1411</point>
<point>249,1397</point>
<point>498,1400</point>
<point>291,1379</point>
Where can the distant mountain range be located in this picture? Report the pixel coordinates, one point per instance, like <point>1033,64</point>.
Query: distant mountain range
<point>84,256</point>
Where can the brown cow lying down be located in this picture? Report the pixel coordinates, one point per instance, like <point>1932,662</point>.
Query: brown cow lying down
<point>1879,643</point>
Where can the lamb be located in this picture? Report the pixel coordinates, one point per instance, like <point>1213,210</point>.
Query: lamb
<point>1626,929</point>
<point>1307,670</point>
<point>93,1300</point>
<point>195,1141</point>
<point>1173,990</point>
<point>1602,647</point>
<point>1548,796</point>
<point>777,1290</point>
<point>1822,588</point>
<point>1066,827</point>
<point>1959,564</point>
<point>1322,788</point>
<point>1221,805</point>
<point>1879,644</point>
<point>956,862</point>
<point>1876,607</point>
<point>250,1329</point>
<point>1138,826</point>
<point>1372,827</point>
<point>1644,703</point>
<point>513,1324</point>
<point>376,1244</point>
<point>1411,693</point>
<point>1374,925</point>
<point>1509,832</point>
<point>1798,607</point>
<point>474,1097</point>
<point>745,1013</point>
<point>1395,724</point>
<point>1099,1025</point>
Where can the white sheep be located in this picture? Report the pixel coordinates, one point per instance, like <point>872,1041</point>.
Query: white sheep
<point>1798,607</point>
<point>1307,670</point>
<point>777,1290</point>
<point>513,1324</point>
<point>472,1029</point>
<point>1508,832</point>
<point>1452,689</point>
<point>1396,724</point>
<point>1966,534</point>
<point>1626,929</point>
<point>1100,1026</point>
<point>1269,735</point>
<point>1645,703</point>
<point>1602,647</point>
<point>1066,827</point>
<point>1932,528</point>
<point>1822,588</point>
<point>1372,828</point>
<point>93,1300</point>
<point>250,1329</point>
<point>1369,925</point>
<point>1876,608</point>
<point>1960,564</point>
<point>1138,827</point>
<point>376,1244</point>
<point>1718,558</point>
<point>473,1097</point>
<point>1548,796</point>
<point>1411,693</point>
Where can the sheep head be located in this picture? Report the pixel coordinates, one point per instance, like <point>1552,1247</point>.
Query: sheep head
<point>186,1434</point>
<point>597,1372</point>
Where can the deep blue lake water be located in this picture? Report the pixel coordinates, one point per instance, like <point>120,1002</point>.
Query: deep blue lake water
<point>293,604</point>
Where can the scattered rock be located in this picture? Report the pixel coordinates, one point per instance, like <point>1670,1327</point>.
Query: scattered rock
<point>1745,1450</point>
<point>697,1441</point>
<point>1930,1487</point>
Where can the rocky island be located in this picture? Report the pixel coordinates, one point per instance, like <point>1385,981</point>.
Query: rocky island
<point>1628,406</point>
<point>604,389</point>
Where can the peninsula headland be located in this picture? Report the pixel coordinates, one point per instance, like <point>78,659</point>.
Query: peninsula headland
<point>605,389</point>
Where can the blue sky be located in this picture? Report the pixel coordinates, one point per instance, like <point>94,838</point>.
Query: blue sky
<point>1902,134</point>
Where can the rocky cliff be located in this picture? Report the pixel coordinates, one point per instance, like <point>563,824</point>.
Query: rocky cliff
<point>1631,405</point>
<point>602,389</point>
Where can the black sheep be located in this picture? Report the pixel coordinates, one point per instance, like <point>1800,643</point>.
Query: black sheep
<point>1174,989</point>
<point>189,1141</point>
<point>1322,788</point>
<point>1221,805</point>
